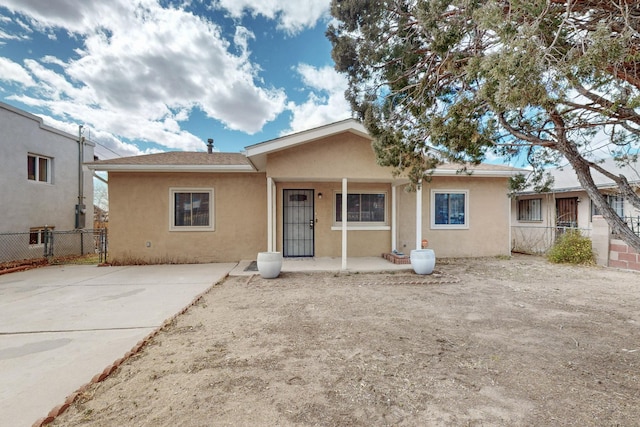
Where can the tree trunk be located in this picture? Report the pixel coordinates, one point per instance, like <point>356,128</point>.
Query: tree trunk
<point>618,226</point>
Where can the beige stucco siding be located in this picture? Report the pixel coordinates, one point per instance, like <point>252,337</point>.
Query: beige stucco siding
<point>328,241</point>
<point>533,236</point>
<point>140,218</point>
<point>340,156</point>
<point>488,218</point>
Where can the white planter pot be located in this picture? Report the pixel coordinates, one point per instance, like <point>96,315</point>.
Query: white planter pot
<point>423,260</point>
<point>269,264</point>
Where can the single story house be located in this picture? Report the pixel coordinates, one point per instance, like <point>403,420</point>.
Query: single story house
<point>537,218</point>
<point>287,195</point>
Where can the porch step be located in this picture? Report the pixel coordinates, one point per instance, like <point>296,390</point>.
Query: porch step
<point>397,259</point>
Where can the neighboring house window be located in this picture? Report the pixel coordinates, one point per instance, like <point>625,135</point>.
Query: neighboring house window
<point>38,168</point>
<point>616,202</point>
<point>191,209</point>
<point>36,235</point>
<point>449,209</point>
<point>362,207</point>
<point>530,210</point>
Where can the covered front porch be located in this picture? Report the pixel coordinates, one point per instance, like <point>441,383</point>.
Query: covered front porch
<point>309,219</point>
<point>327,198</point>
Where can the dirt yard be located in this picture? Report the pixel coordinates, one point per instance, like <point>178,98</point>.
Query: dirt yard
<point>482,342</point>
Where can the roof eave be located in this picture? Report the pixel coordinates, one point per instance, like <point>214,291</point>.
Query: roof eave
<point>170,168</point>
<point>472,172</point>
<point>608,186</point>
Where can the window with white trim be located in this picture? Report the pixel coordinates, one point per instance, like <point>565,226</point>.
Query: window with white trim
<point>191,209</point>
<point>363,208</point>
<point>38,168</point>
<point>530,210</point>
<point>449,209</point>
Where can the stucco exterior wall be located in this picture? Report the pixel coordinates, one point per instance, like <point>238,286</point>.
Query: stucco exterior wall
<point>340,156</point>
<point>488,215</point>
<point>533,236</point>
<point>139,206</point>
<point>327,238</point>
<point>26,203</point>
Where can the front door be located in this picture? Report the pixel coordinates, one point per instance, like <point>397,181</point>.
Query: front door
<point>298,223</point>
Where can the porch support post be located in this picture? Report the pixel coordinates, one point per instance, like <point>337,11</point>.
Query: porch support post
<point>394,213</point>
<point>270,205</point>
<point>344,223</point>
<point>419,215</point>
<point>510,226</point>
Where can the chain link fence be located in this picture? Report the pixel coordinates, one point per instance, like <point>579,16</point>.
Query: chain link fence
<point>538,240</point>
<point>47,243</point>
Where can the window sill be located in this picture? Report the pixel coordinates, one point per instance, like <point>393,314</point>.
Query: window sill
<point>449,227</point>
<point>362,228</point>
<point>188,229</point>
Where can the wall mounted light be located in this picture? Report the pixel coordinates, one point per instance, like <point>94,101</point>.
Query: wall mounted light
<point>319,195</point>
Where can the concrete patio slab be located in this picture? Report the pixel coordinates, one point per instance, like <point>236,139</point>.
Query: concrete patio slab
<point>327,264</point>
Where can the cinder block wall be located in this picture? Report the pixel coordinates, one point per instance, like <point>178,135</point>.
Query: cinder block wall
<point>612,252</point>
<point>622,255</point>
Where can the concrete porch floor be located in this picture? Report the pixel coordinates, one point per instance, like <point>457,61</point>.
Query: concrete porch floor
<point>327,264</point>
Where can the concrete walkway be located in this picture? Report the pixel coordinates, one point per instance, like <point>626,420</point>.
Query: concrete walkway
<point>62,325</point>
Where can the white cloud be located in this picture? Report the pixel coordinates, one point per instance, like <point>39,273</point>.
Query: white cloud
<point>140,62</point>
<point>15,73</point>
<point>328,105</point>
<point>6,36</point>
<point>54,85</point>
<point>241,39</point>
<point>79,17</point>
<point>325,78</point>
<point>176,59</point>
<point>293,16</point>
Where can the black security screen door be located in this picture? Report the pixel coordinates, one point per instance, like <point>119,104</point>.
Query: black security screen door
<point>298,223</point>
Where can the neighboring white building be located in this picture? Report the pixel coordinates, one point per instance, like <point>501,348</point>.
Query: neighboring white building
<point>537,217</point>
<point>40,172</point>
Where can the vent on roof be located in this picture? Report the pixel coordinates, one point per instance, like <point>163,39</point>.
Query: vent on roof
<point>210,145</point>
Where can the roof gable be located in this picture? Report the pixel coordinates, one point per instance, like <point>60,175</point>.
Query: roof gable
<point>258,152</point>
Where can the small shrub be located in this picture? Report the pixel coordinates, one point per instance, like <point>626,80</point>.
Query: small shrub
<point>572,248</point>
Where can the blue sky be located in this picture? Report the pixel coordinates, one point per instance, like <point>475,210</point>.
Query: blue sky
<point>151,76</point>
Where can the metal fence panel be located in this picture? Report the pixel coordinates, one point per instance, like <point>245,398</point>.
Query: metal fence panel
<point>51,243</point>
<point>633,222</point>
